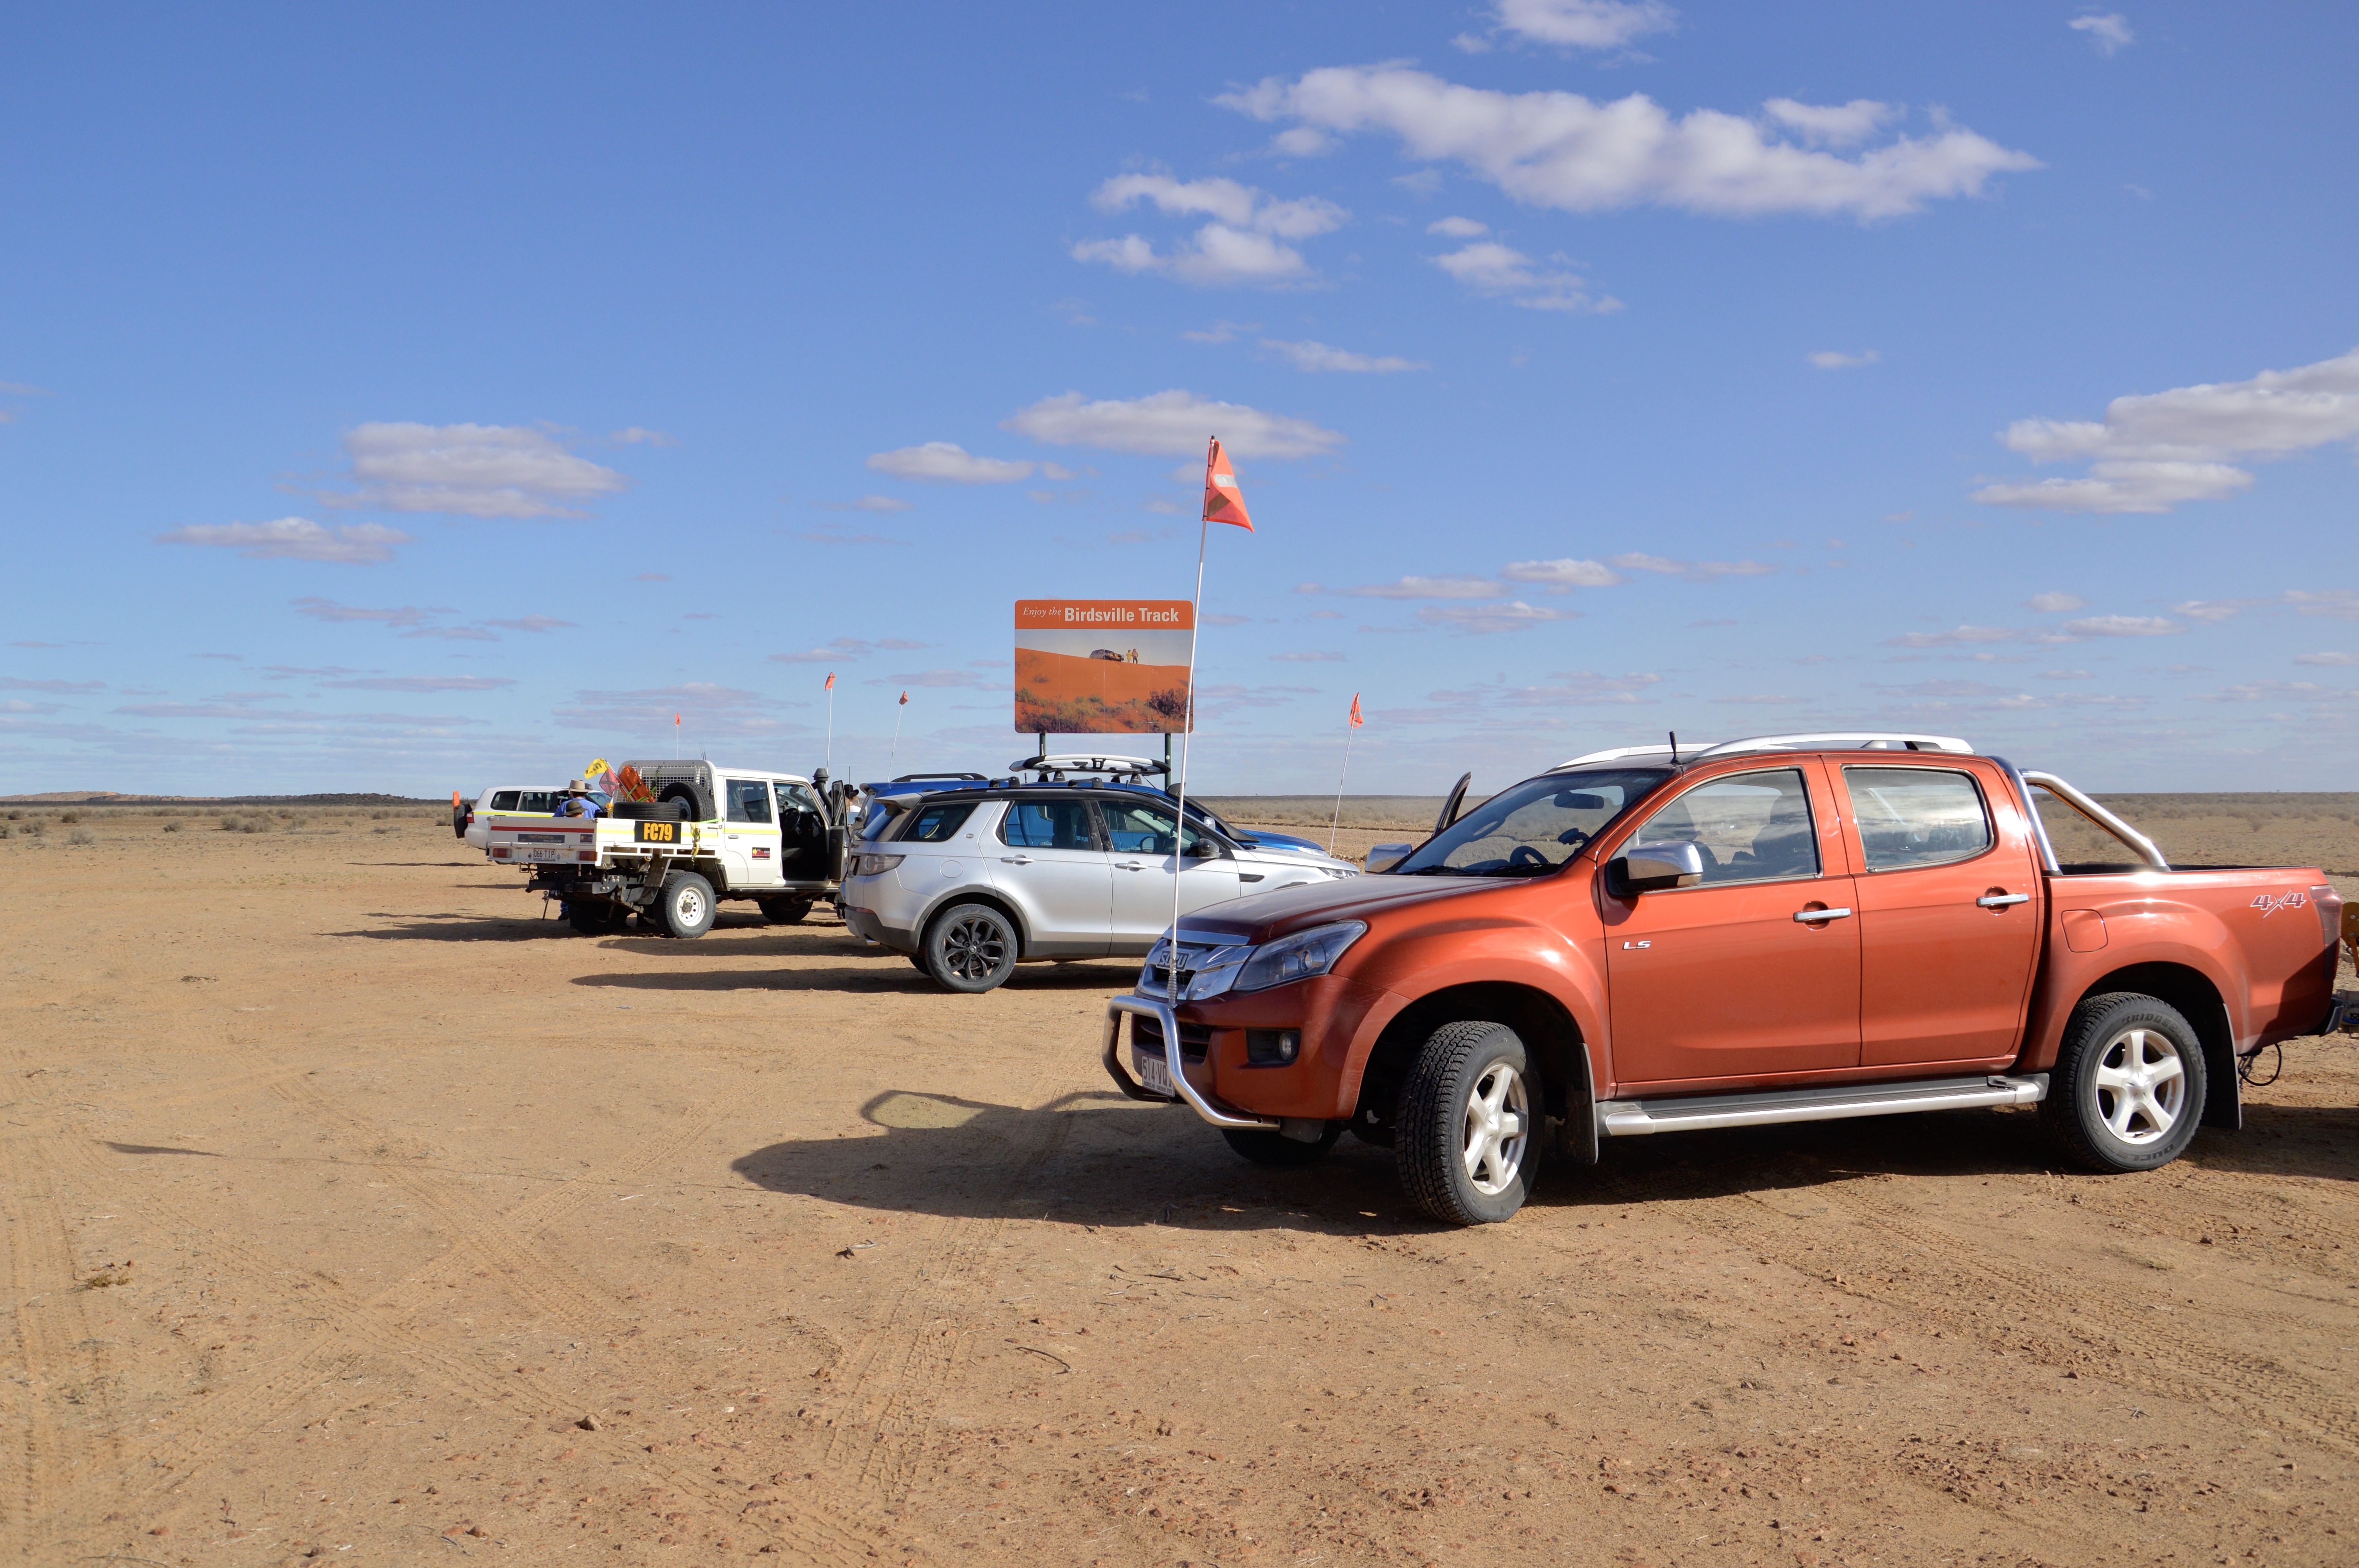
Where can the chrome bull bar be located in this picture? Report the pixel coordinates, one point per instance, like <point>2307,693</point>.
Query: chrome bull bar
<point>1174,1062</point>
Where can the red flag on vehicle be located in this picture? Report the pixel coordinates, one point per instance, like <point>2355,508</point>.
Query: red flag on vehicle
<point>1356,720</point>
<point>905,699</point>
<point>1223,503</point>
<point>830,682</point>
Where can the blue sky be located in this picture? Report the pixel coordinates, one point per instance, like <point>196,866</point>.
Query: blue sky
<point>421,398</point>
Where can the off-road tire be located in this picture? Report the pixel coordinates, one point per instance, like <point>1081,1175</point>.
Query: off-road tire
<point>1277,1149</point>
<point>785,910</point>
<point>687,907</point>
<point>690,796</point>
<point>1434,1131</point>
<point>459,821</point>
<point>971,947</point>
<point>2114,1103</point>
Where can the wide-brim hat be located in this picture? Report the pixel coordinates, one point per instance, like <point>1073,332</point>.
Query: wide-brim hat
<point>577,787</point>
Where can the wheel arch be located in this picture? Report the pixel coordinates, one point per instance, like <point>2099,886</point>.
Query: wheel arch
<point>1549,1032</point>
<point>989,899</point>
<point>2199,1001</point>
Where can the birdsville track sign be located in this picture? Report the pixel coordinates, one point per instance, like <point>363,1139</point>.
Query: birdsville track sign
<point>1101,666</point>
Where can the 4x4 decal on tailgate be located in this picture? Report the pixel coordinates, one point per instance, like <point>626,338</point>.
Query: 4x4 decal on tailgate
<point>2268,906</point>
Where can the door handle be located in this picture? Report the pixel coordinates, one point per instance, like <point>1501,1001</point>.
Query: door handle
<point>1813,916</point>
<point>1014,860</point>
<point>2001,899</point>
<point>1130,865</point>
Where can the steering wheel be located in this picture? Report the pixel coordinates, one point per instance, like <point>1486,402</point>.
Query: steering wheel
<point>1525,855</point>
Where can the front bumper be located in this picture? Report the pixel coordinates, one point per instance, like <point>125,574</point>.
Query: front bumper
<point>1176,1062</point>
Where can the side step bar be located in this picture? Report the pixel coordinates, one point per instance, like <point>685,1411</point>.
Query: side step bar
<point>1635,1117</point>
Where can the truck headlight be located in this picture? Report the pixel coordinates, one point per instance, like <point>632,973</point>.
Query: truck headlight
<point>875,865</point>
<point>1298,957</point>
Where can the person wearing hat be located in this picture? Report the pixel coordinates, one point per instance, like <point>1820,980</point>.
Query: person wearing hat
<point>578,802</point>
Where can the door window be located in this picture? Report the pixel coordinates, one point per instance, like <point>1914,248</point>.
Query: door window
<point>1917,817</point>
<point>1047,825</point>
<point>1144,830</point>
<point>1752,828</point>
<point>749,800</point>
<point>796,797</point>
<point>505,799</point>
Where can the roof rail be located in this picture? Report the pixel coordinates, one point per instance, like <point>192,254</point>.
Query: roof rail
<point>1840,739</point>
<point>1830,740</point>
<point>1621,752</point>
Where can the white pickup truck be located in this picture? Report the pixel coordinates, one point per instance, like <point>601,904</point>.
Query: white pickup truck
<point>712,832</point>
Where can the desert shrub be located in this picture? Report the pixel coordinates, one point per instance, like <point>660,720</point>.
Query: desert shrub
<point>33,827</point>
<point>81,836</point>
<point>70,818</point>
<point>171,828</point>
<point>16,815</point>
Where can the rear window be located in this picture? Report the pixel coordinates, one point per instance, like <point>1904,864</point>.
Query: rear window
<point>937,824</point>
<point>503,800</point>
<point>1047,825</point>
<point>1917,817</point>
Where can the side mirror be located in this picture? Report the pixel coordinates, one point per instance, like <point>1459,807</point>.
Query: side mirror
<point>1384,856</point>
<point>1650,868</point>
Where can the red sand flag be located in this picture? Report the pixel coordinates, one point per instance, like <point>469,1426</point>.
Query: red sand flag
<point>1335,822</point>
<point>830,682</point>
<point>1223,503</point>
<point>905,699</point>
<point>1356,720</point>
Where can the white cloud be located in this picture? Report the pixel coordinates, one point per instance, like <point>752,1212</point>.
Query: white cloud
<point>2109,32</point>
<point>2056,604</point>
<point>1489,267</point>
<point>1693,571</point>
<point>844,649</point>
<point>1220,332</point>
<point>1171,424</point>
<point>1565,151</point>
<point>1316,658</point>
<point>1512,616</point>
<point>1315,357</point>
<point>1458,227</point>
<point>635,435</point>
<point>2063,675</point>
<point>319,609</point>
<point>2337,660</point>
<point>2157,451</point>
<point>1585,688</point>
<point>1834,125</point>
<point>872,503</point>
<point>2124,626</point>
<point>2334,603</point>
<point>293,539</point>
<point>1584,24</point>
<point>947,462</point>
<point>968,679</point>
<point>422,683</point>
<point>534,623</point>
<point>1956,637</point>
<point>471,471</point>
<point>1831,359</point>
<point>1244,242</point>
<point>1460,587</point>
<point>1562,575</point>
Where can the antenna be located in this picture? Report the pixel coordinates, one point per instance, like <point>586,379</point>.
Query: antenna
<point>1675,747</point>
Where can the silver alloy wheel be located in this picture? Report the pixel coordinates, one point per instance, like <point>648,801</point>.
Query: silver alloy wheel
<point>1498,1123</point>
<point>2141,1085</point>
<point>688,906</point>
<point>973,948</point>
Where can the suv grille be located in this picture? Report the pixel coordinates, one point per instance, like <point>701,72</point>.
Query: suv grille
<point>1194,1040</point>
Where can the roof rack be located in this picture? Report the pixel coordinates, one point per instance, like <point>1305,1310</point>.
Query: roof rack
<point>1818,741</point>
<point>1089,763</point>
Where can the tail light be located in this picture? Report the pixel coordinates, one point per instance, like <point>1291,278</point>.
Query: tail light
<point>2328,905</point>
<point>499,851</point>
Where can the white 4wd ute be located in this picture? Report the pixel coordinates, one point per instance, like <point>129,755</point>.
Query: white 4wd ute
<point>710,833</point>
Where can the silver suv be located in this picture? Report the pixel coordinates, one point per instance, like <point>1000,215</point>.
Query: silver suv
<point>969,883</point>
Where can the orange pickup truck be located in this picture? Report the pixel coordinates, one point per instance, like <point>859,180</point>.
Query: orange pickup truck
<point>1789,928</point>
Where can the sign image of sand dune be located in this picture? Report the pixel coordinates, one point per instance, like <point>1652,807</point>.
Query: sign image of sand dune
<point>1101,666</point>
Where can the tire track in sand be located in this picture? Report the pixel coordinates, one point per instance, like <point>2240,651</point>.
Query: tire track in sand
<point>879,1412</point>
<point>57,1359</point>
<point>1942,1278</point>
<point>355,1329</point>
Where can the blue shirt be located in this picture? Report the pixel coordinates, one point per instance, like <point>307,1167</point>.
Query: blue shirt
<point>581,805</point>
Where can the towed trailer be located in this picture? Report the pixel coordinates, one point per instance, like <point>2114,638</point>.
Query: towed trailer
<point>711,834</point>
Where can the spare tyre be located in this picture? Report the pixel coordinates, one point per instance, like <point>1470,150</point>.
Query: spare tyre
<point>650,811</point>
<point>700,809</point>
<point>459,815</point>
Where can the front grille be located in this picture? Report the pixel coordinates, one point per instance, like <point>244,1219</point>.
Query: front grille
<point>1147,1034</point>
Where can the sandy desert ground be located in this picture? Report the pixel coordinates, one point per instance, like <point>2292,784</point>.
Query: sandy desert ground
<point>356,1213</point>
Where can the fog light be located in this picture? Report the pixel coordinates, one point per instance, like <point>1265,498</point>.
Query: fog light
<point>1271,1047</point>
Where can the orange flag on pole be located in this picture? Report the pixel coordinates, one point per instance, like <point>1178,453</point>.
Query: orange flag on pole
<point>905,699</point>
<point>830,682</point>
<point>1356,720</point>
<point>1223,503</point>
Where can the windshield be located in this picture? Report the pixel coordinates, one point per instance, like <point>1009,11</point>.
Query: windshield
<point>1534,827</point>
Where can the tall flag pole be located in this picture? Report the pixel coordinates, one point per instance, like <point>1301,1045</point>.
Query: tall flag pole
<point>1356,722</point>
<point>897,732</point>
<point>830,689</point>
<point>1222,504</point>
<point>675,735</point>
